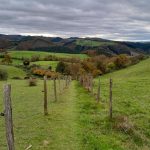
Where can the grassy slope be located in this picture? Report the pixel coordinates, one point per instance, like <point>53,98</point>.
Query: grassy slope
<point>29,54</point>
<point>131,93</point>
<point>13,71</point>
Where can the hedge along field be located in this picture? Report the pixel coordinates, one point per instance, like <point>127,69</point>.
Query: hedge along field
<point>29,54</point>
<point>131,101</point>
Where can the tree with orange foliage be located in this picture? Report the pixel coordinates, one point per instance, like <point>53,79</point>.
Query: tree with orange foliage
<point>122,61</point>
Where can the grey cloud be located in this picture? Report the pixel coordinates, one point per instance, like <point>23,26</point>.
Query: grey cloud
<point>110,19</point>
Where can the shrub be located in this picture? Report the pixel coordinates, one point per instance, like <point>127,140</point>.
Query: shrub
<point>111,67</point>
<point>32,82</point>
<point>50,68</point>
<point>39,72</point>
<point>50,58</point>
<point>134,60</point>
<point>26,62</point>
<point>3,74</point>
<point>96,73</point>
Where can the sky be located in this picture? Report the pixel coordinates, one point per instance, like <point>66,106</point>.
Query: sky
<point>123,20</point>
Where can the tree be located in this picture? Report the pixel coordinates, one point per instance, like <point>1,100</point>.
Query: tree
<point>122,61</point>
<point>7,59</point>
<point>50,68</point>
<point>88,66</point>
<point>61,67</point>
<point>26,62</point>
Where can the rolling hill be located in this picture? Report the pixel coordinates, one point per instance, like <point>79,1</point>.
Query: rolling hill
<point>72,45</point>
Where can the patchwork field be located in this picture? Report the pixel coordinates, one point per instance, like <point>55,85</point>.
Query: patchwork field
<point>29,54</point>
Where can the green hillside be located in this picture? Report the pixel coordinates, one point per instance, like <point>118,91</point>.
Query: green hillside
<point>92,43</point>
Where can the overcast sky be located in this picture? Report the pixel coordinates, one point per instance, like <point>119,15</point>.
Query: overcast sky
<point>109,19</point>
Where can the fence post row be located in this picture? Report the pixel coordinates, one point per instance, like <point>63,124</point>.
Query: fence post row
<point>98,92</point>
<point>91,84</point>
<point>8,117</point>
<point>59,85</point>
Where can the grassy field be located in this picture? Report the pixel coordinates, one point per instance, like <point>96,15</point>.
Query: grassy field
<point>76,121</point>
<point>46,64</point>
<point>16,55</point>
<point>29,54</point>
<point>43,64</point>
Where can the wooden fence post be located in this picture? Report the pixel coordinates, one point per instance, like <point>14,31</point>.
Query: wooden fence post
<point>55,90</point>
<point>63,82</point>
<point>8,117</point>
<point>91,84</point>
<point>110,99</point>
<point>66,78</point>
<point>45,96</point>
<point>59,84</point>
<point>98,92</point>
<point>70,79</point>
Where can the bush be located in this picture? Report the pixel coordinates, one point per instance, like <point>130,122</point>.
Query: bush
<point>50,68</point>
<point>32,82</point>
<point>50,58</point>
<point>61,66</point>
<point>3,74</point>
<point>96,73</point>
<point>111,67</point>
<point>26,62</point>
